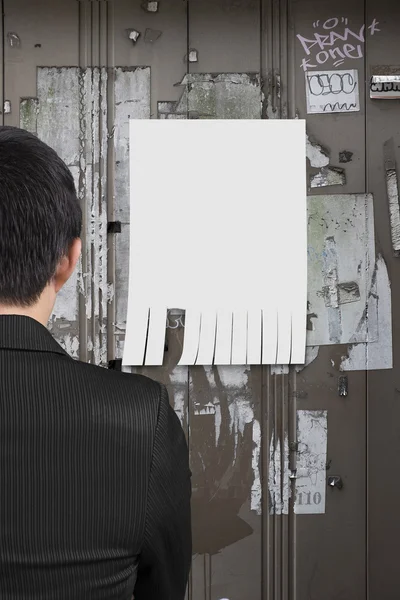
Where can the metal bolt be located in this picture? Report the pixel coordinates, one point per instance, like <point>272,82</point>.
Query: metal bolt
<point>335,481</point>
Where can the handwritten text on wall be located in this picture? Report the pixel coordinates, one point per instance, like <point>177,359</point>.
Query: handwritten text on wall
<point>334,41</point>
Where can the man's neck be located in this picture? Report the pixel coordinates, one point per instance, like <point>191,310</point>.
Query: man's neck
<point>34,312</point>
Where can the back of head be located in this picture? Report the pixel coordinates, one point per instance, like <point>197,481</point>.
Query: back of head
<point>40,215</point>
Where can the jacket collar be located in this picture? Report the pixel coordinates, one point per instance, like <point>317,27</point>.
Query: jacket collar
<point>18,332</point>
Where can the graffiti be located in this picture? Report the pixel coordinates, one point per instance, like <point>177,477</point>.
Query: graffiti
<point>338,107</point>
<point>332,91</point>
<point>176,318</point>
<point>331,82</point>
<point>385,86</point>
<point>335,42</point>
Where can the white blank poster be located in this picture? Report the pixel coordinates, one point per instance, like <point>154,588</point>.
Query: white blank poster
<point>218,228</point>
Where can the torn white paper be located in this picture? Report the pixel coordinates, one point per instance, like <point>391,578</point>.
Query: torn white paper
<point>341,257</point>
<point>312,436</point>
<point>332,91</point>
<point>208,195</point>
<point>378,353</point>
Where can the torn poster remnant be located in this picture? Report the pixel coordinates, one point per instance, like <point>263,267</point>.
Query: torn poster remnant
<point>328,176</point>
<point>132,101</point>
<point>385,87</point>
<point>13,39</point>
<point>192,56</point>
<point>28,112</point>
<point>222,96</point>
<point>278,476</point>
<point>312,437</point>
<point>394,208</point>
<point>378,353</point>
<point>151,7</point>
<point>133,35</point>
<point>341,256</point>
<point>256,488</point>
<point>392,190</point>
<point>317,156</point>
<point>179,382</point>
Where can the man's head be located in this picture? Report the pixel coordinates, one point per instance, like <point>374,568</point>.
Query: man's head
<point>40,224</point>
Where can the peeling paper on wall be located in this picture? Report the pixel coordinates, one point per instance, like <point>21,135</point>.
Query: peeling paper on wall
<point>54,116</point>
<point>341,257</point>
<point>210,96</point>
<point>278,478</point>
<point>264,323</point>
<point>312,437</point>
<point>179,381</point>
<point>132,101</point>
<point>376,354</point>
<point>316,155</point>
<point>328,176</point>
<point>392,192</point>
<point>70,114</point>
<point>256,488</point>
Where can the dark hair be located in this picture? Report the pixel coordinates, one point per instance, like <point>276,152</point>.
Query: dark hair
<point>40,215</point>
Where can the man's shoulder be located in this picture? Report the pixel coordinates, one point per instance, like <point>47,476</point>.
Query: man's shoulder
<point>130,390</point>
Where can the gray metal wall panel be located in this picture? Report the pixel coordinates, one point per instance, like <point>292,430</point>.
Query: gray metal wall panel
<point>383,125</point>
<point>331,548</point>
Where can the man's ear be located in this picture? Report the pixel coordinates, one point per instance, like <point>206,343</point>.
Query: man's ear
<point>67,264</point>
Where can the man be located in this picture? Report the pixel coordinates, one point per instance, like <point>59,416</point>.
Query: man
<point>94,474</point>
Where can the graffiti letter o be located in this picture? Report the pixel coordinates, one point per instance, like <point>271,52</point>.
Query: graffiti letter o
<point>322,57</point>
<point>331,23</point>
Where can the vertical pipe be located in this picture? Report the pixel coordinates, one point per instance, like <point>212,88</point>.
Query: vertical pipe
<point>293,469</point>
<point>366,159</point>
<point>275,517</point>
<point>83,8</point>
<point>266,56</point>
<point>284,433</point>
<point>111,255</point>
<point>191,592</point>
<point>291,56</point>
<point>3,59</point>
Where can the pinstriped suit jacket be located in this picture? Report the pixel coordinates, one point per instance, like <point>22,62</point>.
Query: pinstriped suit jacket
<point>94,478</point>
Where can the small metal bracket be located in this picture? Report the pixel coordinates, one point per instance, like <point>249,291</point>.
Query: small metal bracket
<point>343,386</point>
<point>114,227</point>
<point>115,365</point>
